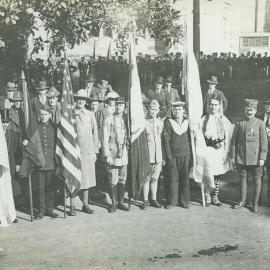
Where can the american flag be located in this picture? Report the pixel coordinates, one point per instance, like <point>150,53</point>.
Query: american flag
<point>67,147</point>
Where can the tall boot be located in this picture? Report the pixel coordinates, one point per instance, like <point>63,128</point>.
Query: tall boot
<point>120,197</point>
<point>215,200</point>
<point>243,193</point>
<point>113,191</point>
<point>256,194</point>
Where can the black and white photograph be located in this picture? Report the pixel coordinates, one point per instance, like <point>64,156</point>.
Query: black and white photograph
<point>134,134</point>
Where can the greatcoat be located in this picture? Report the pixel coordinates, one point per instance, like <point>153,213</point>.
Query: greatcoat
<point>88,142</point>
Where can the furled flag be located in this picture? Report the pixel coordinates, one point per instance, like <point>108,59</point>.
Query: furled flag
<point>139,165</point>
<point>32,151</point>
<point>67,147</point>
<point>193,93</point>
<point>109,54</point>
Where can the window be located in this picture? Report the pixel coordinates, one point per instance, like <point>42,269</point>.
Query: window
<point>255,41</point>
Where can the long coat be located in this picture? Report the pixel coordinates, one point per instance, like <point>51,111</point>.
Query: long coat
<point>249,142</point>
<point>88,142</point>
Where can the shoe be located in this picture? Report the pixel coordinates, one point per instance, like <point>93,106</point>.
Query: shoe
<point>113,194</point>
<point>239,205</point>
<point>155,204</point>
<point>15,220</point>
<point>86,209</point>
<point>216,202</point>
<point>186,206</point>
<point>144,206</point>
<point>256,209</point>
<point>120,197</point>
<point>52,214</point>
<point>72,211</point>
<point>208,204</point>
<point>39,216</point>
<point>169,206</point>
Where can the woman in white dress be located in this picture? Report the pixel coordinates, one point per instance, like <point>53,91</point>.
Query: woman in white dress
<point>7,208</point>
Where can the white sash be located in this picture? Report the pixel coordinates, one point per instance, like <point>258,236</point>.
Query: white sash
<point>179,129</point>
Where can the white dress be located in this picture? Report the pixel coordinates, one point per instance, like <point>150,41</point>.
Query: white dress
<point>7,208</point>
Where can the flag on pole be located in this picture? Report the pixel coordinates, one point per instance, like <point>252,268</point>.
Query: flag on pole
<point>67,147</point>
<point>109,54</point>
<point>32,152</point>
<point>139,165</point>
<point>193,93</point>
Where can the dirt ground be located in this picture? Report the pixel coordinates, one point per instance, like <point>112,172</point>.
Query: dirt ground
<point>194,238</point>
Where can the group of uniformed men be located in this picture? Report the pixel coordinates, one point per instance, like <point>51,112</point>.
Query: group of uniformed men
<point>101,121</point>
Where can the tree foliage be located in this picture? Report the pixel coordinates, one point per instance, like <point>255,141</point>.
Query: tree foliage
<point>74,21</point>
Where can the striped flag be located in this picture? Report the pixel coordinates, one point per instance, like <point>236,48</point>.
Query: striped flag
<point>67,147</point>
<point>139,165</point>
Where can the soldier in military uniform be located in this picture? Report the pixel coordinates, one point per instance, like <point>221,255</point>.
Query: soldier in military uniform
<point>265,117</point>
<point>114,145</point>
<point>45,174</point>
<point>176,155</point>
<point>5,100</point>
<point>153,127</point>
<point>249,152</point>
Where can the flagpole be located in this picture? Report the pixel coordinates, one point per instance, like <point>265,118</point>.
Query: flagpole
<point>26,127</point>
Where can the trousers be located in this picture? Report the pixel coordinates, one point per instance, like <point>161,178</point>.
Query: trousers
<point>46,190</point>
<point>178,180</point>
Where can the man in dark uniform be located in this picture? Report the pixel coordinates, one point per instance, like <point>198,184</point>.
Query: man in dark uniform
<point>265,117</point>
<point>54,105</point>
<point>249,152</point>
<point>177,154</point>
<point>45,174</point>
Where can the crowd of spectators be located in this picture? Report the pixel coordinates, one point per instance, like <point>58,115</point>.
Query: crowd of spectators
<point>226,66</point>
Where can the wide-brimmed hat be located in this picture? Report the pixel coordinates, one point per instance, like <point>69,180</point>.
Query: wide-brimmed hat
<point>52,92</point>
<point>120,100</point>
<point>103,84</point>
<point>159,80</point>
<point>213,80</point>
<point>42,86</point>
<point>112,94</point>
<point>251,103</point>
<point>17,96</point>
<point>45,108</point>
<point>267,101</point>
<point>153,104</point>
<point>81,94</point>
<point>178,103</point>
<point>11,87</point>
<point>169,79</point>
<point>93,98</point>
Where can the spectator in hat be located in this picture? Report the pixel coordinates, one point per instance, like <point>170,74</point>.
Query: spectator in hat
<point>172,91</point>
<point>176,156</point>
<point>249,152</point>
<point>54,105</point>
<point>40,101</point>
<point>265,117</point>
<point>88,142</point>
<point>5,101</point>
<point>14,134</point>
<point>160,95</point>
<point>212,91</point>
